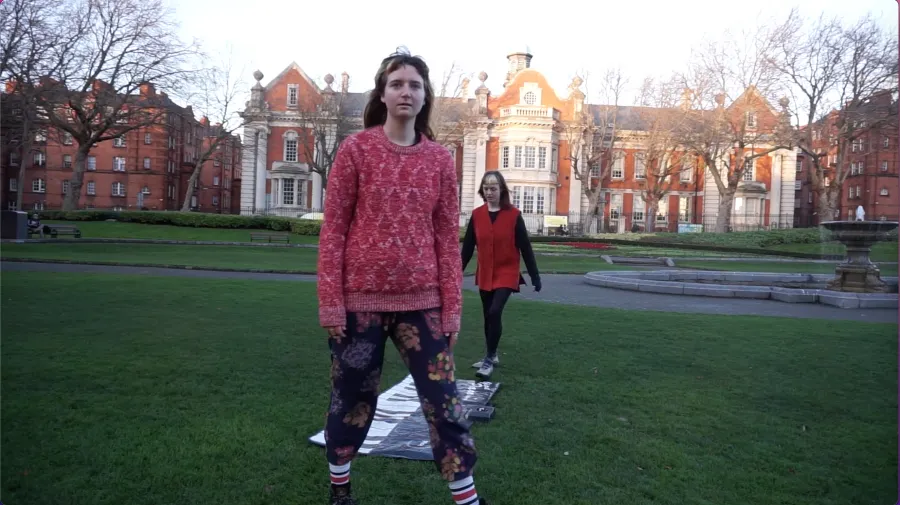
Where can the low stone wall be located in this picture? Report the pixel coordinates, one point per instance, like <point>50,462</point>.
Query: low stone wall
<point>727,285</point>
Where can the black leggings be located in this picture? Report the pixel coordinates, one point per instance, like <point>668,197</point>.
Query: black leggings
<point>493,302</point>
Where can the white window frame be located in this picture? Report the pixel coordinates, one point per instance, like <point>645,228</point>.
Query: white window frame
<point>67,161</point>
<point>147,163</point>
<point>684,209</point>
<point>148,138</point>
<point>288,194</point>
<point>749,175</point>
<point>615,205</point>
<point>638,208</point>
<point>687,169</point>
<point>293,95</point>
<point>528,200</point>
<point>13,184</point>
<point>640,166</point>
<point>618,169</point>
<point>291,147</point>
<point>91,188</point>
<point>215,180</point>
<point>119,164</point>
<point>38,185</point>
<point>118,189</point>
<point>119,141</point>
<point>504,157</point>
<point>91,163</point>
<point>542,158</point>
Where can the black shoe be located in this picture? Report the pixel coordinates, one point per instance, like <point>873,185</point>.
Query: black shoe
<point>342,495</point>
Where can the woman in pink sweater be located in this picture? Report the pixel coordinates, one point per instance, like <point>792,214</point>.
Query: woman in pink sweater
<point>389,267</point>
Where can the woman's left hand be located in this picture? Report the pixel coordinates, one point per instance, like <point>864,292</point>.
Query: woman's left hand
<point>451,337</point>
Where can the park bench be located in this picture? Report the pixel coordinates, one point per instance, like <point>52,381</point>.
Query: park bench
<point>58,229</point>
<point>270,237</point>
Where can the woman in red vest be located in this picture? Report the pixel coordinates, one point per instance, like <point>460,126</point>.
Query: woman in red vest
<point>498,231</point>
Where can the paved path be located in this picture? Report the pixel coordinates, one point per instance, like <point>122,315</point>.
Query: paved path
<point>566,289</point>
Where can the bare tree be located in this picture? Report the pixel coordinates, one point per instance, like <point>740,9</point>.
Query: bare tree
<point>329,119</point>
<point>90,90</point>
<point>832,71</point>
<point>217,98</point>
<point>730,139</point>
<point>592,136</point>
<point>661,161</point>
<point>29,36</point>
<point>451,113</point>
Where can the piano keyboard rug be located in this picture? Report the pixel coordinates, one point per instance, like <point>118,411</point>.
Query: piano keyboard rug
<point>399,429</point>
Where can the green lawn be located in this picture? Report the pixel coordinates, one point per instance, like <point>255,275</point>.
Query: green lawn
<point>107,229</point>
<point>194,391</point>
<point>301,260</point>
<point>882,251</point>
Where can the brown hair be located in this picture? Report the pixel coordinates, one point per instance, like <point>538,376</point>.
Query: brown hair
<point>376,111</point>
<point>505,202</point>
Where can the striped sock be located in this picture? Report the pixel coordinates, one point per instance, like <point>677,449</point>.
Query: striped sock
<point>340,475</point>
<point>463,492</point>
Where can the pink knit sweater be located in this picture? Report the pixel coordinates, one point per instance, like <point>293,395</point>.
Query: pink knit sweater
<point>390,239</point>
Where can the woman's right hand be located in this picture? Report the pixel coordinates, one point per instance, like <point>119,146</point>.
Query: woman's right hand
<point>336,331</point>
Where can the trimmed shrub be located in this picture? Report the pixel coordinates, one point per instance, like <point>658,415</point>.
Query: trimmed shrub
<point>190,219</point>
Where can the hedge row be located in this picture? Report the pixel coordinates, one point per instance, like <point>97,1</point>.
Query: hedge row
<point>190,219</point>
<point>194,220</point>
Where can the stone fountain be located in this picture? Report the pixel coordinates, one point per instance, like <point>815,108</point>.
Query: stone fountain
<point>857,274</point>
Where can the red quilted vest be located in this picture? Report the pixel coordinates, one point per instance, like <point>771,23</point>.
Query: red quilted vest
<point>498,258</point>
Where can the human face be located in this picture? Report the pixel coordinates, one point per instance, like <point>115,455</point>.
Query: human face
<point>404,94</point>
<point>491,190</point>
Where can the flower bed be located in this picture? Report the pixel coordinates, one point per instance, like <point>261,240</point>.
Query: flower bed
<point>585,245</point>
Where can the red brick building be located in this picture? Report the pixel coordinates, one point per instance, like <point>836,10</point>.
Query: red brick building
<point>870,161</point>
<point>144,169</point>
<point>518,131</point>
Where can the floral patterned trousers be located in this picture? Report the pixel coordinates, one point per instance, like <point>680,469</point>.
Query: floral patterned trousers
<point>356,362</point>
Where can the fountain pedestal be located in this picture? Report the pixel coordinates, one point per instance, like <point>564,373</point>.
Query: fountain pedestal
<point>857,274</point>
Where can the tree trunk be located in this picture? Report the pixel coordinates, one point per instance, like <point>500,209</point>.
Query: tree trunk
<point>191,184</point>
<point>828,204</point>
<point>650,217</point>
<point>723,219</point>
<point>593,203</point>
<point>70,202</point>
<point>25,159</point>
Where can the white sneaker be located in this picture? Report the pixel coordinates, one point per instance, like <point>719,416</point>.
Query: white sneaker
<point>495,361</point>
<point>485,371</point>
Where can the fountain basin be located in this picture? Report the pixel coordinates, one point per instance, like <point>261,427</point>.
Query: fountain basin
<point>857,274</point>
<point>781,287</point>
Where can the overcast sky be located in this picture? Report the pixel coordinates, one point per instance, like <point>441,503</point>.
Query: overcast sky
<point>644,37</point>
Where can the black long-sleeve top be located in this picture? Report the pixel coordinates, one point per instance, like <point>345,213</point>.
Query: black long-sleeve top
<point>523,243</point>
